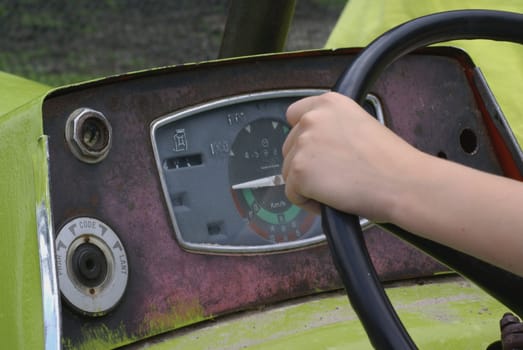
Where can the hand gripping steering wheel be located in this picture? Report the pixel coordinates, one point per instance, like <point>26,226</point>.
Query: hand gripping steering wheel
<point>343,231</point>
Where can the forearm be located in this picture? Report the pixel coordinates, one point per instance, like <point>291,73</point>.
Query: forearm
<point>475,212</point>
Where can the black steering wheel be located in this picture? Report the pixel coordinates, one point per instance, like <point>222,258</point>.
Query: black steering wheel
<point>344,234</point>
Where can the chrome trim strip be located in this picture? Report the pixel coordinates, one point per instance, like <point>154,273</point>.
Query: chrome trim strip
<point>223,249</point>
<point>375,102</point>
<point>49,279</point>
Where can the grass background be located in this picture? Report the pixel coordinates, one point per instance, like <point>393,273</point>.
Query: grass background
<point>57,42</point>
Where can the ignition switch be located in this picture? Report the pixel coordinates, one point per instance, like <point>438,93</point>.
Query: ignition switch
<point>91,265</point>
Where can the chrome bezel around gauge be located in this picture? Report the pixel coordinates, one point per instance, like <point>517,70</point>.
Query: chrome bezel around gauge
<point>215,105</point>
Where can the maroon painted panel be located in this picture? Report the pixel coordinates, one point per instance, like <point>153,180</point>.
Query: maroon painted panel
<point>124,191</point>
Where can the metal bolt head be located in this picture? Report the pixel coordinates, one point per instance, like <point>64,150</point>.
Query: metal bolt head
<point>89,135</point>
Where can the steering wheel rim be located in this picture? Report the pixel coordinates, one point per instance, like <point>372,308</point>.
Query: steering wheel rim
<point>343,231</point>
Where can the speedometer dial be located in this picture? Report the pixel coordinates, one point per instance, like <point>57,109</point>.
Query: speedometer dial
<point>256,154</point>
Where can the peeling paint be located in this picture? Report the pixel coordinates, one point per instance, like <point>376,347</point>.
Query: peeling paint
<point>100,337</point>
<point>175,315</point>
<point>156,321</point>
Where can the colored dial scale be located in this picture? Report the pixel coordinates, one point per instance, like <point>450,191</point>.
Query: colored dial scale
<point>256,154</point>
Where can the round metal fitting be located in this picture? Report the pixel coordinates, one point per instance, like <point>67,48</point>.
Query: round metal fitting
<point>91,265</point>
<point>89,135</point>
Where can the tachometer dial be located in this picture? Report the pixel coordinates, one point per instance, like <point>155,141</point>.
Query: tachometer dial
<point>256,155</point>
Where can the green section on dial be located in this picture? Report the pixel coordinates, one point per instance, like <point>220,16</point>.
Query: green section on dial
<point>268,216</point>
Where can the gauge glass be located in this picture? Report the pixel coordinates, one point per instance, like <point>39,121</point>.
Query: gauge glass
<point>214,161</point>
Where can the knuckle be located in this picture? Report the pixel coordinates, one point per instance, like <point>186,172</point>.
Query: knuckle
<point>302,141</point>
<point>330,97</point>
<point>298,169</point>
<point>308,120</point>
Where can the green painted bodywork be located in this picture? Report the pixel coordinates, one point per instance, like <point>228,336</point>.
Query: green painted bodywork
<point>16,91</point>
<point>448,314</point>
<point>23,186</point>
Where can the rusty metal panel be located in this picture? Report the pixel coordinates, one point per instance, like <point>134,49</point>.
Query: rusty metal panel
<point>427,100</point>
